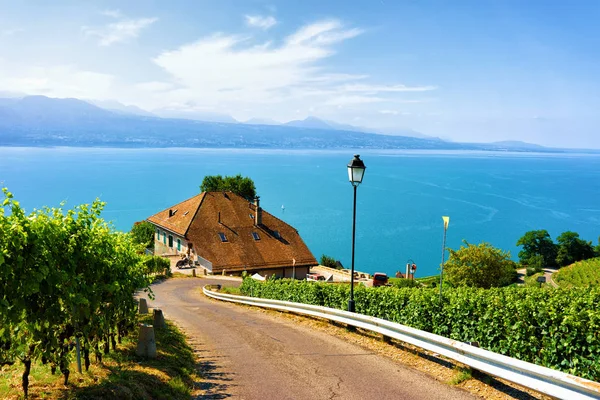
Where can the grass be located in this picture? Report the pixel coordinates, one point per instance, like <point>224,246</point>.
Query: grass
<point>122,375</point>
<point>231,290</point>
<point>429,281</point>
<point>461,374</point>
<point>580,274</point>
<point>532,280</point>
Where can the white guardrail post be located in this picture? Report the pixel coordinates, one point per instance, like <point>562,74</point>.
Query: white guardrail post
<point>541,379</point>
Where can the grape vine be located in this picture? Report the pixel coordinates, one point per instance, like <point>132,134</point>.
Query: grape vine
<point>64,275</point>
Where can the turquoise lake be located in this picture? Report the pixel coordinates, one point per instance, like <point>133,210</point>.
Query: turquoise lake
<point>493,197</point>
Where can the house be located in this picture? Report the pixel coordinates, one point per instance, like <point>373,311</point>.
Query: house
<point>225,233</point>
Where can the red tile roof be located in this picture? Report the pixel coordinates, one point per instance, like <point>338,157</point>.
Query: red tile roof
<point>241,251</point>
<point>183,214</point>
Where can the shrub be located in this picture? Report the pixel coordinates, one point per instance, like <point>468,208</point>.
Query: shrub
<point>142,233</point>
<point>329,262</point>
<point>531,271</point>
<point>401,283</point>
<point>156,265</point>
<point>480,265</point>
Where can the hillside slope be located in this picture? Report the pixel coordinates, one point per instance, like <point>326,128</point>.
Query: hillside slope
<point>581,274</point>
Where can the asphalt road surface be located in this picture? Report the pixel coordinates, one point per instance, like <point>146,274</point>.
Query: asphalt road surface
<point>247,354</point>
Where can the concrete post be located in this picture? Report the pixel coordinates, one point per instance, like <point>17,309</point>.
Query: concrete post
<point>143,307</point>
<point>146,343</point>
<point>159,319</point>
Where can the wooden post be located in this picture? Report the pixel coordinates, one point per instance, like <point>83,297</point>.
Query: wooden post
<point>143,307</point>
<point>194,272</point>
<point>78,352</point>
<point>159,319</point>
<point>146,343</point>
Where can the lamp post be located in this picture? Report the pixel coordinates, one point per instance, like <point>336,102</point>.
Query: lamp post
<point>356,171</point>
<point>409,264</point>
<point>446,222</point>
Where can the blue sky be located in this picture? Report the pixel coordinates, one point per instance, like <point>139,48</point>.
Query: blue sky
<point>476,71</point>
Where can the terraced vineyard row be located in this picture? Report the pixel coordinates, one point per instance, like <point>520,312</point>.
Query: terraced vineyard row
<point>581,274</point>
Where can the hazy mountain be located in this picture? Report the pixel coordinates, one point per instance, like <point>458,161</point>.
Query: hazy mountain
<point>309,122</point>
<point>261,121</point>
<point>117,107</point>
<point>404,132</point>
<point>39,110</point>
<point>194,115</point>
<point>317,123</point>
<point>516,144</point>
<point>43,121</point>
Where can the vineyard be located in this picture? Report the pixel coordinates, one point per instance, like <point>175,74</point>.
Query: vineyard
<point>558,329</point>
<point>581,274</point>
<point>65,277</point>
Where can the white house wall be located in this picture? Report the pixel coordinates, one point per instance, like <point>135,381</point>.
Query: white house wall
<point>161,246</point>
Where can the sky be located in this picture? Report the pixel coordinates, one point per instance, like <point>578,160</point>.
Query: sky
<point>465,70</point>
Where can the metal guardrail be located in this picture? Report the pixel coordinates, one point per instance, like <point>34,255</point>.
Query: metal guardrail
<point>541,379</point>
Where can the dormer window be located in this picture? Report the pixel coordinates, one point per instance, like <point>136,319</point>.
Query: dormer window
<point>276,234</point>
<point>223,237</point>
<point>255,236</point>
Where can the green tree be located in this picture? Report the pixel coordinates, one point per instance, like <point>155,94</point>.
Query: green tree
<point>142,233</point>
<point>537,243</point>
<point>329,262</point>
<point>571,249</point>
<point>481,265</point>
<point>597,248</point>
<point>238,184</point>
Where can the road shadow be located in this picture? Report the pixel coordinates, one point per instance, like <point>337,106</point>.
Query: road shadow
<point>215,384</point>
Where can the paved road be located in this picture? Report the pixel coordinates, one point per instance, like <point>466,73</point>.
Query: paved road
<point>548,271</point>
<point>252,355</point>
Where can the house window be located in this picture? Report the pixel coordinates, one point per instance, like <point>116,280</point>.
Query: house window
<point>158,234</point>
<point>178,244</point>
<point>170,241</point>
<point>223,237</point>
<point>255,236</point>
<point>276,234</point>
<point>165,237</point>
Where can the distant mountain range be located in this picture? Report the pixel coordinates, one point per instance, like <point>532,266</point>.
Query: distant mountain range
<point>316,123</point>
<point>43,121</point>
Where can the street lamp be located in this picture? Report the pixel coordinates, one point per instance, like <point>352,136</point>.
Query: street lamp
<point>446,222</point>
<point>356,171</point>
<point>411,268</point>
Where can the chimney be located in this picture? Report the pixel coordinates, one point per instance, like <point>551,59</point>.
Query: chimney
<point>257,211</point>
<point>170,213</point>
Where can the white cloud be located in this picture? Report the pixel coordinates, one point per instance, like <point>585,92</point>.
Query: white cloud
<point>155,86</point>
<point>394,112</point>
<point>345,100</point>
<point>112,13</point>
<point>232,71</point>
<point>226,73</point>
<point>387,88</point>
<point>259,21</point>
<point>322,33</point>
<point>57,81</point>
<point>120,31</point>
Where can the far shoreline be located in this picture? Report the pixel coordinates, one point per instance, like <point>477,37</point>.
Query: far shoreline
<point>379,151</point>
